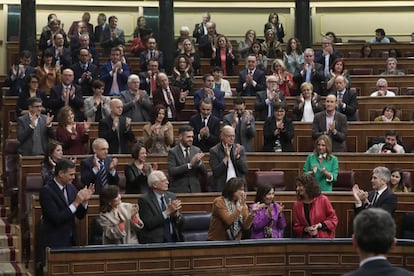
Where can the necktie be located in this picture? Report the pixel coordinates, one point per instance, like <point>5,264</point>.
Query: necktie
<point>102,177</point>
<point>65,194</point>
<point>308,73</point>
<point>85,67</point>
<point>153,84</point>
<point>375,199</point>
<point>238,130</point>
<point>326,69</point>
<point>170,101</point>
<point>67,95</point>
<point>115,87</point>
<point>340,95</point>
<point>163,205</point>
<point>187,155</point>
<point>167,224</point>
<point>205,121</point>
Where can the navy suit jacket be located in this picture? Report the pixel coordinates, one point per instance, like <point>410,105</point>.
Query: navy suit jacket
<point>55,102</point>
<point>107,78</point>
<point>150,212</point>
<point>158,98</point>
<point>250,90</point>
<point>88,176</point>
<point>387,201</point>
<point>17,85</point>
<point>143,60</point>
<point>111,136</point>
<point>379,267</point>
<point>59,227</point>
<point>86,84</point>
<point>213,124</point>
<point>317,78</point>
<point>218,103</point>
<point>65,60</point>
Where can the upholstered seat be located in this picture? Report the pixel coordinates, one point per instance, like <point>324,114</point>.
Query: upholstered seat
<point>344,181</point>
<point>408,226</point>
<point>195,227</point>
<point>274,178</point>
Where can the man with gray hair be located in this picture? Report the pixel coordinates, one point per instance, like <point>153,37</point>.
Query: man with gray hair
<point>160,209</point>
<point>311,72</point>
<point>137,105</point>
<point>380,197</point>
<point>382,89</point>
<point>372,245</point>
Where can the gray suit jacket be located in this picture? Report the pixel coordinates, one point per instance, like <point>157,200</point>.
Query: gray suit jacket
<point>90,109</point>
<point>341,125</point>
<point>25,134</point>
<point>247,133</point>
<point>184,180</point>
<point>220,169</point>
<point>139,111</point>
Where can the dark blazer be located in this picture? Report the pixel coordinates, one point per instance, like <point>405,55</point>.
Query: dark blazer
<point>218,103</point>
<point>379,267</point>
<point>65,60</point>
<point>184,180</point>
<point>319,58</point>
<point>260,105</point>
<point>350,99</point>
<point>116,145</point>
<point>22,100</point>
<point>204,46</point>
<point>250,90</point>
<point>86,84</point>
<point>55,102</point>
<point>229,62</point>
<point>286,135</point>
<point>122,77</point>
<point>135,179</point>
<point>199,31</point>
<point>219,169</point>
<point>25,134</point>
<point>107,43</point>
<point>145,82</point>
<point>213,124</point>
<point>88,176</point>
<point>47,35</point>
<point>317,78</point>
<point>341,125</point>
<point>98,32</point>
<point>59,227</point>
<point>154,222</point>
<point>247,133</point>
<point>158,98</point>
<point>317,106</point>
<point>144,58</point>
<point>17,85</point>
<point>387,201</point>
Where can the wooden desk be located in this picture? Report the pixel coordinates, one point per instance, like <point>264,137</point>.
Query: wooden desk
<point>261,257</point>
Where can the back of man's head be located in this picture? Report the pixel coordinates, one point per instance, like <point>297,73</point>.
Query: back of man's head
<point>374,231</point>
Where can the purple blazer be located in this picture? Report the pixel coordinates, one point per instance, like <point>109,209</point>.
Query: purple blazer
<point>261,220</point>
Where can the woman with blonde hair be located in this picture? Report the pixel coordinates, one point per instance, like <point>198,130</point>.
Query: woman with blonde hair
<point>223,55</point>
<point>189,51</point>
<point>307,104</point>
<point>322,164</point>
<point>283,76</point>
<point>274,24</point>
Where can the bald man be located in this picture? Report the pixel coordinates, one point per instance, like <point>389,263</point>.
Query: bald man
<point>116,129</point>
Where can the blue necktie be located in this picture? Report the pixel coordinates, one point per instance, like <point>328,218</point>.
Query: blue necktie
<point>308,73</point>
<point>102,177</point>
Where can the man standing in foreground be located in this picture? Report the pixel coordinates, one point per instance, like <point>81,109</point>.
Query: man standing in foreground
<point>372,244</point>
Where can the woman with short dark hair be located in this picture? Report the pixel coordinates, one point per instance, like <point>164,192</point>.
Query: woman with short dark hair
<point>230,214</point>
<point>120,220</point>
<point>158,134</point>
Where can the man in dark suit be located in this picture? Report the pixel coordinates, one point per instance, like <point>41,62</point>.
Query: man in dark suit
<point>61,202</point>
<point>185,164</point>
<point>169,96</point>
<point>137,104</point>
<point>206,41</point>
<point>311,72</point>
<point>149,81</point>
<point>251,80</point>
<point>112,36</point>
<point>326,56</point>
<point>374,235</point>
<point>151,53</point>
<point>380,197</point>
<point>242,121</point>
<point>84,42</point>
<point>160,211</point>
<point>227,159</point>
<point>34,129</point>
<point>208,91</point>
<point>100,28</point>
<point>331,123</point>
<point>19,73</point>
<point>265,100</point>
<point>99,169</point>
<point>200,29</point>
<point>206,126</point>
<point>61,54</point>
<point>67,93</point>
<point>85,72</point>
<point>116,129</point>
<point>114,74</point>
<point>347,102</point>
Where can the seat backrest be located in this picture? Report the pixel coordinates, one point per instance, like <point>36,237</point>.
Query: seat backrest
<point>362,71</point>
<point>344,181</point>
<point>122,182</point>
<point>195,227</point>
<point>408,226</point>
<point>274,178</point>
<point>407,180</point>
<point>96,231</point>
<point>10,166</point>
<point>34,183</point>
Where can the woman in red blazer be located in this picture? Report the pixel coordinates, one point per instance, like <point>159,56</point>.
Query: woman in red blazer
<point>314,216</point>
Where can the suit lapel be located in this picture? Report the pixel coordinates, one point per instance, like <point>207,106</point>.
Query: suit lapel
<point>59,193</point>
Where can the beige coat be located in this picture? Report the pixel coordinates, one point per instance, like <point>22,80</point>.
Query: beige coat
<point>111,233</point>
